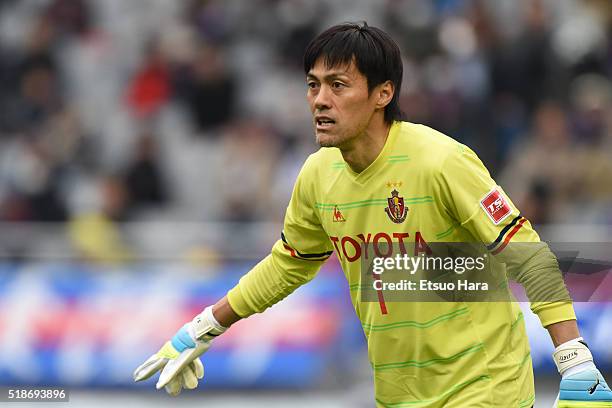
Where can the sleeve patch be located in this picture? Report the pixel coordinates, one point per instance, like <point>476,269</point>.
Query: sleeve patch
<point>496,206</point>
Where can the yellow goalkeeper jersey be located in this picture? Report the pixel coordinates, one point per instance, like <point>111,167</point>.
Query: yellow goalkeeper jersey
<point>424,187</point>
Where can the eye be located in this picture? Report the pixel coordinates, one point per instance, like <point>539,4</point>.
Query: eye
<point>337,85</point>
<point>311,84</point>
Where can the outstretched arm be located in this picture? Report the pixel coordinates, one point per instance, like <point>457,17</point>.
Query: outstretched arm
<point>293,261</point>
<point>223,312</point>
<point>270,281</point>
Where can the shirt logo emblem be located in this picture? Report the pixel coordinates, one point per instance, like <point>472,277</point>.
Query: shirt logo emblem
<point>496,206</point>
<point>396,209</point>
<point>338,217</point>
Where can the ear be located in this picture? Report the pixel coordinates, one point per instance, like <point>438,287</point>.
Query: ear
<point>385,92</point>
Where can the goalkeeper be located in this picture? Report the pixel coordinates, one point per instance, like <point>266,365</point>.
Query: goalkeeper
<point>377,178</point>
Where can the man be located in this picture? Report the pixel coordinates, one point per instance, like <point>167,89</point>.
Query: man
<point>378,178</point>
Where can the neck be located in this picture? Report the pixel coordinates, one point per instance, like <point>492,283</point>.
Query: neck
<point>366,147</point>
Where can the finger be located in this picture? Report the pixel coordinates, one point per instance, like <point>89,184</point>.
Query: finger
<point>149,367</point>
<point>198,368</point>
<point>175,386</point>
<point>190,381</point>
<point>174,367</point>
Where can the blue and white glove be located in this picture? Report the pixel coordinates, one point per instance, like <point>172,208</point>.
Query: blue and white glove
<point>178,359</point>
<point>582,385</point>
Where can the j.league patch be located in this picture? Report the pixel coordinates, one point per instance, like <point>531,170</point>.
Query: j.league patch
<point>496,206</point>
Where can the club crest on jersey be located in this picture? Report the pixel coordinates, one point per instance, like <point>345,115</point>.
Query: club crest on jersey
<point>396,209</point>
<point>338,217</point>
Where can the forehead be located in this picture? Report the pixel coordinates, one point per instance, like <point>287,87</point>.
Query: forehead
<point>321,69</point>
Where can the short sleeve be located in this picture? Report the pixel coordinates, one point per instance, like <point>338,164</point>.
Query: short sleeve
<point>471,197</point>
<point>474,200</point>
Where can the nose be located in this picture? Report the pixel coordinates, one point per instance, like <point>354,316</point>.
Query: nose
<point>322,99</point>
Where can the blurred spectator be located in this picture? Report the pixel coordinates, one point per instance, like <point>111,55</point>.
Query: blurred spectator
<point>590,96</point>
<point>31,183</point>
<point>541,169</point>
<point>144,179</point>
<point>299,20</point>
<point>37,98</point>
<point>208,87</point>
<point>71,16</point>
<point>32,91</point>
<point>96,235</point>
<point>522,65</point>
<point>536,206</point>
<point>209,17</point>
<point>413,21</point>
<point>150,87</point>
<point>248,165</point>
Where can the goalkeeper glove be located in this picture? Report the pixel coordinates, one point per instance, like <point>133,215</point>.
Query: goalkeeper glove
<point>582,385</point>
<point>178,359</point>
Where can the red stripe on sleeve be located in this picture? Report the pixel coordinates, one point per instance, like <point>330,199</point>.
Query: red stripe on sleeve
<point>509,237</point>
<point>291,250</point>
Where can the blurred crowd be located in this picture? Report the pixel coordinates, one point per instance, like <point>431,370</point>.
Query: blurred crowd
<point>116,111</point>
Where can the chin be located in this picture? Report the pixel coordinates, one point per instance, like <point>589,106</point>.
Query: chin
<point>326,143</point>
<point>326,140</point>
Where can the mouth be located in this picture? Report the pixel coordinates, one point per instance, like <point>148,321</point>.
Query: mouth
<point>323,122</point>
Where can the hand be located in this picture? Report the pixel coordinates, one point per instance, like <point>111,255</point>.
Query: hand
<point>582,385</point>
<point>178,359</point>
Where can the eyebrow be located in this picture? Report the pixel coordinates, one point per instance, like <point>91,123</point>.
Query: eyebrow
<point>333,75</point>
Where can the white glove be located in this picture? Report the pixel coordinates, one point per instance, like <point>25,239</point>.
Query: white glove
<point>178,359</point>
<point>582,385</point>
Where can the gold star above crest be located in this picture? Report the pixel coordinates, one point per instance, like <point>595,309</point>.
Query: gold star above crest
<point>394,184</point>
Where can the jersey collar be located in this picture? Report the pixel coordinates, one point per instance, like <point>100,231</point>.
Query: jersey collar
<point>381,159</point>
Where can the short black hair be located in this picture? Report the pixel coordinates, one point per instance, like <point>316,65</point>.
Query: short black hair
<point>375,53</point>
